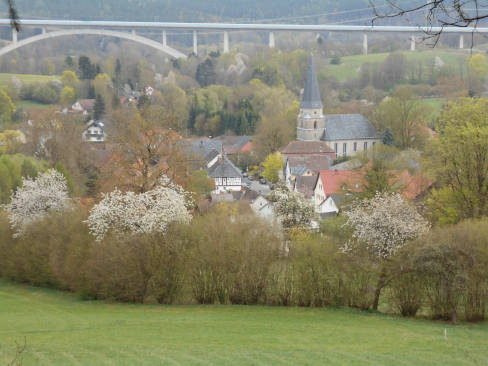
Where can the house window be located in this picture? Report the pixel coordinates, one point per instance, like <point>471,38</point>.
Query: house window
<point>344,149</point>
<point>355,146</point>
<point>336,149</point>
<point>365,145</point>
<point>315,124</point>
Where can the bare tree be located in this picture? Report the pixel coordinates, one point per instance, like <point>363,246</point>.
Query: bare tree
<point>438,13</point>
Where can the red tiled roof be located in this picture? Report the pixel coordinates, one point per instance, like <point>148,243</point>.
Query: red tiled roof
<point>335,181</point>
<point>412,185</point>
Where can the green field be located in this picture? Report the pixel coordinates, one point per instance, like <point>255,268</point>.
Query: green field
<point>28,104</point>
<point>59,329</point>
<point>26,78</point>
<point>350,65</point>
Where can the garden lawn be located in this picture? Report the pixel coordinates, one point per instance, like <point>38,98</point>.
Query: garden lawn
<point>59,329</point>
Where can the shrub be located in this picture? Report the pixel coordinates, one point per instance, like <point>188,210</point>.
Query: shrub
<point>135,268</point>
<point>231,257</point>
<point>315,264</point>
<point>452,264</point>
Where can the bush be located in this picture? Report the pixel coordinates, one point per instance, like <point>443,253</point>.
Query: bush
<point>137,268</point>
<point>231,257</point>
<point>46,93</point>
<point>452,262</point>
<point>52,252</point>
<point>318,280</point>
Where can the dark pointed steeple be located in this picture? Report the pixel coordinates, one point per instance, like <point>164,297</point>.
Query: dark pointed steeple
<point>311,94</point>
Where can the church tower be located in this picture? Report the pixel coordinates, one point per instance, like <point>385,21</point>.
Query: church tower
<point>311,119</point>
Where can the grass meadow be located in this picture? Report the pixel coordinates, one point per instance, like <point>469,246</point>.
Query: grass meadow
<point>60,329</point>
<point>350,66</point>
<point>26,78</point>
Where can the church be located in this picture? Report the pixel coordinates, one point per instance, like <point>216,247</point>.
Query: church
<point>344,134</point>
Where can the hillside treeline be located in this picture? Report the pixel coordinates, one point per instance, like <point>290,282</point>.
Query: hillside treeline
<point>185,10</point>
<point>229,256</point>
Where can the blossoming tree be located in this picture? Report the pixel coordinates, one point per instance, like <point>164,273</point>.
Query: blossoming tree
<point>291,208</point>
<point>384,224</point>
<point>31,201</point>
<point>129,212</point>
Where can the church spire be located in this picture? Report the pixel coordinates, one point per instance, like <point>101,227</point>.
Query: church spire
<point>311,94</point>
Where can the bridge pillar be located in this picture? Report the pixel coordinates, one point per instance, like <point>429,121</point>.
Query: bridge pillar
<point>133,32</point>
<point>226,42</point>
<point>412,43</point>
<point>461,41</point>
<point>365,44</point>
<point>165,41</point>
<point>43,30</point>
<point>14,35</point>
<point>271,40</point>
<point>195,43</point>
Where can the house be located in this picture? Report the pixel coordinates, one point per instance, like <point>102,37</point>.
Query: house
<point>83,106</point>
<point>296,166</point>
<point>345,134</point>
<point>331,186</point>
<point>148,90</point>
<point>94,132</point>
<point>199,151</point>
<point>235,144</point>
<point>227,177</point>
<point>263,208</point>
<point>305,185</point>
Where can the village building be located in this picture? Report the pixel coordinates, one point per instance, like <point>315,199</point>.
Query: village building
<point>226,176</point>
<point>331,188</point>
<point>345,134</point>
<point>305,185</point>
<point>83,106</point>
<point>94,132</point>
<point>235,144</point>
<point>303,166</point>
<point>263,208</point>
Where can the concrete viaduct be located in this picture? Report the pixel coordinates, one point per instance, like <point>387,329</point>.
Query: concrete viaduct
<point>127,30</point>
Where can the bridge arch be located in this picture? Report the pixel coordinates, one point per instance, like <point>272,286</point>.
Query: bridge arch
<point>96,32</point>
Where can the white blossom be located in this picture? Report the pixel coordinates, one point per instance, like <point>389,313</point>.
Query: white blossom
<point>31,201</point>
<point>291,208</point>
<point>385,223</point>
<point>146,212</point>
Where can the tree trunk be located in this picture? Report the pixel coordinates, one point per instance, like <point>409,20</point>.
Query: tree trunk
<point>379,287</point>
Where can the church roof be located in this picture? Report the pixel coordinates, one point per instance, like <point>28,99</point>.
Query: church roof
<point>349,127</point>
<point>311,94</point>
<point>298,147</point>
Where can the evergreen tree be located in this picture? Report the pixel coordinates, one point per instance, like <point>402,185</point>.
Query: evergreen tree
<point>206,74</point>
<point>388,138</point>
<point>99,108</point>
<point>91,92</point>
<point>68,61</point>
<point>377,179</point>
<point>143,101</point>
<point>88,71</point>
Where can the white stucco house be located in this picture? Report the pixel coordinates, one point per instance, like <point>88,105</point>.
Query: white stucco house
<point>263,208</point>
<point>94,132</point>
